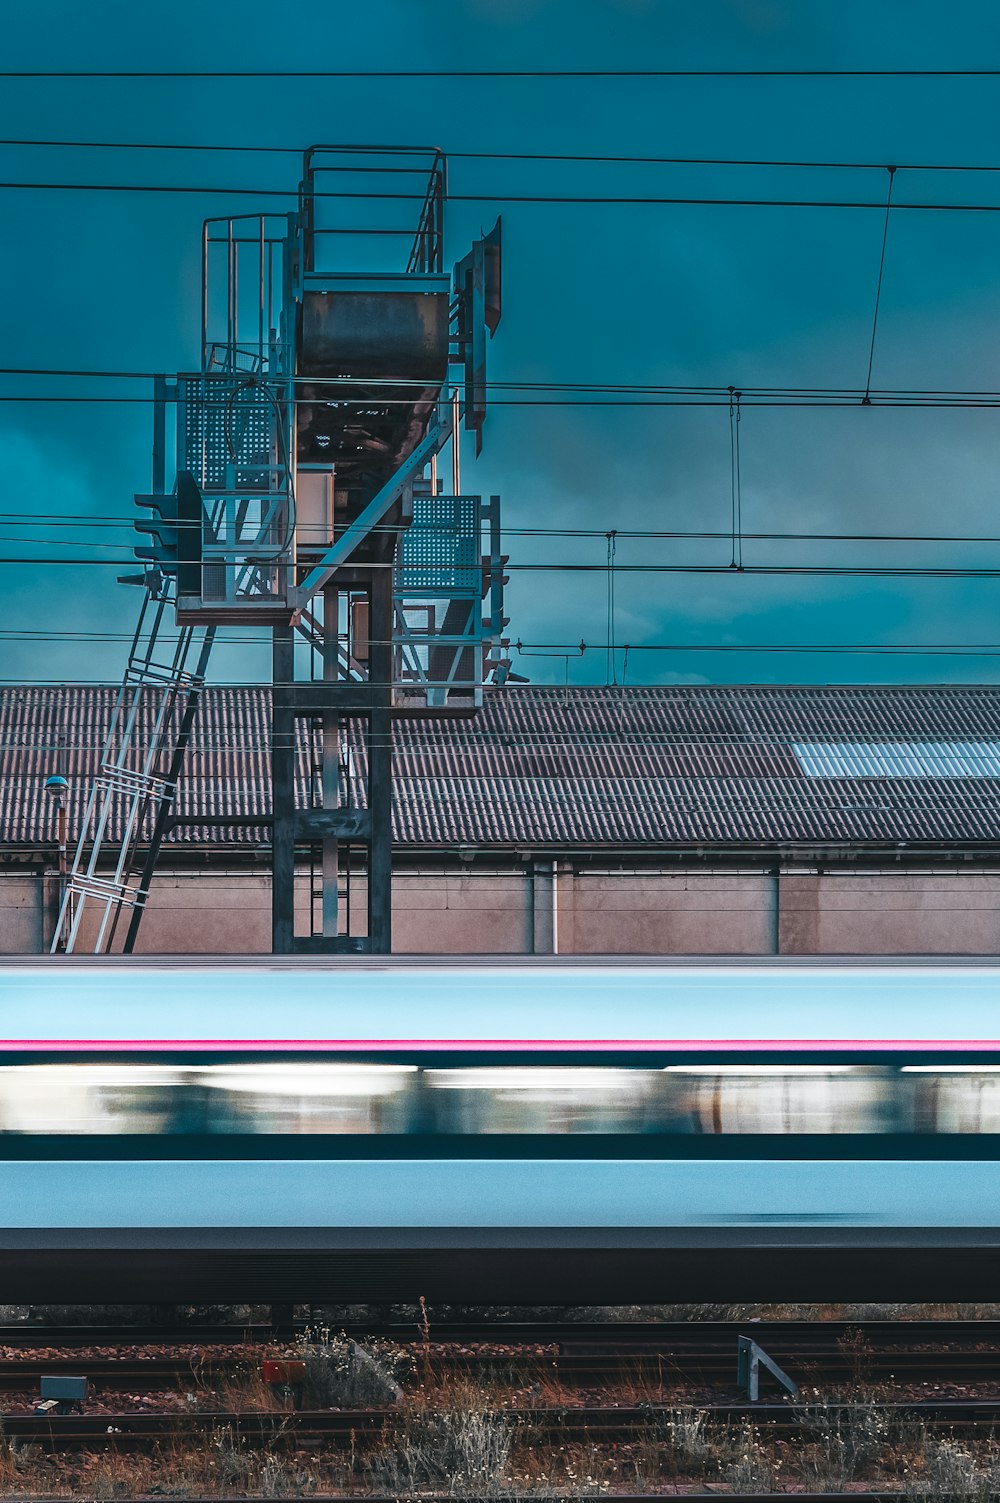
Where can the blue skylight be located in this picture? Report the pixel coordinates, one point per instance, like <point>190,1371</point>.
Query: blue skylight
<point>898,759</point>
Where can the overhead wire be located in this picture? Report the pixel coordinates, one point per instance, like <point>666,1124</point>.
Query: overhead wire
<point>846,571</point>
<point>866,399</point>
<point>478,73</point>
<point>75,520</point>
<point>638,393</point>
<point>610,666</point>
<point>611,159</point>
<point>735,480</point>
<point>544,199</point>
<point>529,649</point>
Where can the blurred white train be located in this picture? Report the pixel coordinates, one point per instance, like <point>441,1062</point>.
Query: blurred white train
<point>556,1131</point>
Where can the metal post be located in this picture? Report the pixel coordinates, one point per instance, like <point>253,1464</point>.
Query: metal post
<point>60,939</point>
<point>283,793</point>
<point>331,762</point>
<point>380,762</point>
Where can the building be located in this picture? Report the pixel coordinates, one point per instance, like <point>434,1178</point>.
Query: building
<point>664,820</point>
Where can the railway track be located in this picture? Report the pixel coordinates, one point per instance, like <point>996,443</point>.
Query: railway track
<point>136,1431</point>
<point>669,1368</point>
<point>572,1336</point>
<point>656,1357</point>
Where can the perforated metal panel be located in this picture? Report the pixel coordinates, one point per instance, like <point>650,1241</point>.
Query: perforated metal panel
<point>224,424</point>
<point>441,550</point>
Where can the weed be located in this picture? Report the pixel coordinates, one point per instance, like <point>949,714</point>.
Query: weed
<point>952,1472</point>
<point>462,1452</point>
<point>752,1468</point>
<point>841,1442</point>
<point>343,1374</point>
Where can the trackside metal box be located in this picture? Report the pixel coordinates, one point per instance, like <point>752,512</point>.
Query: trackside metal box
<point>73,1390</point>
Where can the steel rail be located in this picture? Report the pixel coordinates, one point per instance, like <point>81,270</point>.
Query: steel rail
<point>662,1367</point>
<point>653,1336</point>
<point>569,1422</point>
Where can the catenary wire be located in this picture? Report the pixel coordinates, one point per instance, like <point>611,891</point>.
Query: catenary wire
<point>658,394</point>
<point>544,199</point>
<point>850,571</point>
<point>514,156</point>
<point>476,73</point>
<point>985,649</point>
<point>866,399</point>
<point>110,522</point>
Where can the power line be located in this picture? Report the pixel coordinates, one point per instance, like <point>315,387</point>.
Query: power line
<point>615,387</point>
<point>674,397</point>
<point>476,73</point>
<point>832,571</point>
<point>543,199</point>
<point>907,649</point>
<point>735,480</point>
<point>516,156</point>
<point>74,520</point>
<point>694,403</point>
<point>866,399</point>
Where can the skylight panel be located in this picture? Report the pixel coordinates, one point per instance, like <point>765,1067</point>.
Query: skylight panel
<point>898,759</point>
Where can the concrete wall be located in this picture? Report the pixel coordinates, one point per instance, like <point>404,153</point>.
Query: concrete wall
<point>954,913</point>
<point>22,912</point>
<point>570,909</point>
<point>687,913</point>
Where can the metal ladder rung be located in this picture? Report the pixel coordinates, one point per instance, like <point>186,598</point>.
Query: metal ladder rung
<point>150,723</point>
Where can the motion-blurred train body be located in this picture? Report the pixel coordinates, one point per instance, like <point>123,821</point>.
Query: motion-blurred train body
<point>572,1132</point>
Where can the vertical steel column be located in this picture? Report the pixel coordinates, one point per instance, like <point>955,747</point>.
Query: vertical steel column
<point>380,760</point>
<point>283,792</point>
<point>331,762</point>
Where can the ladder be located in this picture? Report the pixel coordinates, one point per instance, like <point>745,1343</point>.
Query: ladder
<point>136,782</point>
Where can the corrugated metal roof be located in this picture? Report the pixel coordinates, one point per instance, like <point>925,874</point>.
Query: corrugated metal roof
<point>595,768</point>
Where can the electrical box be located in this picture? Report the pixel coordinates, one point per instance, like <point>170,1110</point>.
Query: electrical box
<point>314,510</point>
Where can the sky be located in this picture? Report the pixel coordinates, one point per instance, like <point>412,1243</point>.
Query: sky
<point>603,294</point>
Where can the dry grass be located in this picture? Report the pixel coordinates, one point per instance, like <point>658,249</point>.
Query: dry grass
<point>344,1374</point>
<point>469,1450</point>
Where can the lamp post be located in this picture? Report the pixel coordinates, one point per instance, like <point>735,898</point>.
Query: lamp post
<point>57,787</point>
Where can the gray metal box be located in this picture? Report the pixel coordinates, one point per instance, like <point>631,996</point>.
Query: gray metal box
<point>74,1389</point>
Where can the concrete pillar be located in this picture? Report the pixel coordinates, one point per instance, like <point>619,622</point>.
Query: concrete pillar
<point>542,914</point>
<point>563,909</point>
<point>774,914</point>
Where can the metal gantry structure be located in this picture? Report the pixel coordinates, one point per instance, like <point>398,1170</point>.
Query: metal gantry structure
<point>305,496</point>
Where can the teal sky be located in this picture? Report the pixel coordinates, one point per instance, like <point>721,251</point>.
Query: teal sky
<point>658,294</point>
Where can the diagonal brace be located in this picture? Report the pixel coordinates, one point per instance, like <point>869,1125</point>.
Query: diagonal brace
<point>750,1358</point>
<point>376,509</point>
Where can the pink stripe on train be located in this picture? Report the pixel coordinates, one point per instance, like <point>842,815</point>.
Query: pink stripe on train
<point>346,1046</point>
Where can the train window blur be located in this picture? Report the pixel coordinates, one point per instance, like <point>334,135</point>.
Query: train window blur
<point>784,1098</point>
<point>545,1099</point>
<point>239,1098</point>
<point>309,1098</point>
<point>955,1098</point>
<point>89,1098</point>
<point>322,1097</point>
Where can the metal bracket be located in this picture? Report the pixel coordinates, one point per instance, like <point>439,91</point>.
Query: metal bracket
<point>749,1359</point>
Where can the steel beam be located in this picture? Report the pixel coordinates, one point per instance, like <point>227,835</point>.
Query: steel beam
<point>283,794</point>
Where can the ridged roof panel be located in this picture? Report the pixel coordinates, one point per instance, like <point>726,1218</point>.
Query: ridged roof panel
<point>596,768</point>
